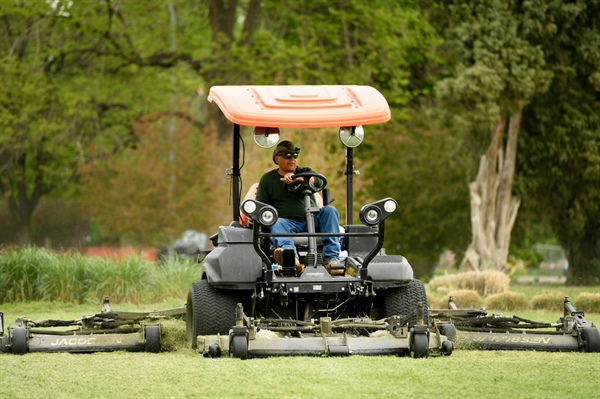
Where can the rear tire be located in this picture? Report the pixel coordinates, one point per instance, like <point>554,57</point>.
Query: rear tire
<point>403,301</point>
<point>209,311</point>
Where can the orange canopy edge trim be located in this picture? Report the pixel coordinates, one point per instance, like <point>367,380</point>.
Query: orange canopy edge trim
<point>301,106</point>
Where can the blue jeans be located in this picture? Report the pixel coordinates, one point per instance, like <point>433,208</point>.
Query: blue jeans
<point>326,221</point>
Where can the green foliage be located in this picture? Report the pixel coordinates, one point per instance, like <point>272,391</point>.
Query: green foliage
<point>423,167</point>
<point>498,69</point>
<point>560,152</point>
<point>35,274</point>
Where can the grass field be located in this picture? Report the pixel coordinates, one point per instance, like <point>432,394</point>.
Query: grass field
<point>41,285</point>
<point>181,373</point>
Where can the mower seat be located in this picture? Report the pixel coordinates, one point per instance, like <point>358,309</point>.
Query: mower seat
<point>298,241</point>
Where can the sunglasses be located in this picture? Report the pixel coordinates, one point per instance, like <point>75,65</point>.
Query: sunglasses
<point>289,155</point>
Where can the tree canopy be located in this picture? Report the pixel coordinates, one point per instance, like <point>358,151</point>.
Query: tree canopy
<point>106,102</point>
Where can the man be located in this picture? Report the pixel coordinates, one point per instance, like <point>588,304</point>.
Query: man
<point>291,208</point>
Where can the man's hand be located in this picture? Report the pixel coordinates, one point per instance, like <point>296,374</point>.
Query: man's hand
<point>287,178</point>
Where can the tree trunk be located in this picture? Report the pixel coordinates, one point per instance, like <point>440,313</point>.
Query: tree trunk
<point>493,207</point>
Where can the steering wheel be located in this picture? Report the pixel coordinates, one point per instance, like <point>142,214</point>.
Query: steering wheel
<point>306,187</point>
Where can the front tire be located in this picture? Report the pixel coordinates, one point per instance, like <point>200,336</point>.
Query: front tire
<point>209,311</point>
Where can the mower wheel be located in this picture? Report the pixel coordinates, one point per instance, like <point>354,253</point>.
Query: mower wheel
<point>404,300</point>
<point>591,339</point>
<point>419,346</point>
<point>19,340</point>
<point>448,330</point>
<point>209,311</point>
<point>152,339</point>
<point>239,347</point>
<point>447,348</point>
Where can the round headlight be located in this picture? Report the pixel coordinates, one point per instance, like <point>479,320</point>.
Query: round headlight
<point>249,206</point>
<point>267,217</point>
<point>372,215</point>
<point>390,206</point>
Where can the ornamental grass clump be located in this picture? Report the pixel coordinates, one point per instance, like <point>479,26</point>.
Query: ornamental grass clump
<point>172,279</point>
<point>507,301</point>
<point>69,278</point>
<point>485,282</point>
<point>549,300</point>
<point>21,272</point>
<point>123,280</point>
<point>465,298</point>
<point>588,302</point>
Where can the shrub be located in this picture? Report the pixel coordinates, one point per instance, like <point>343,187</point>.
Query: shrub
<point>549,300</point>
<point>587,302</point>
<point>464,298</point>
<point>507,301</point>
<point>484,282</point>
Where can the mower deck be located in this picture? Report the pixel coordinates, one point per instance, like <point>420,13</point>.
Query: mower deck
<point>101,332</point>
<point>475,329</point>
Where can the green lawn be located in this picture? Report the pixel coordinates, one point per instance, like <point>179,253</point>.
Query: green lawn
<point>182,373</point>
<point>468,374</point>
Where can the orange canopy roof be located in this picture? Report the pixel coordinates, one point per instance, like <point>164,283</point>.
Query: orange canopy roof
<point>301,106</point>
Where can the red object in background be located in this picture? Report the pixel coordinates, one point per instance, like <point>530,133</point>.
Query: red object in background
<point>121,252</point>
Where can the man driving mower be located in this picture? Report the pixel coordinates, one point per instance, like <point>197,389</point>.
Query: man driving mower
<point>291,209</point>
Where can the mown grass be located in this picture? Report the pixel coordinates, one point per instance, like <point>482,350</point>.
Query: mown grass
<point>182,373</point>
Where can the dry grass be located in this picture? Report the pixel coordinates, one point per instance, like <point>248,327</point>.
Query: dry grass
<point>507,301</point>
<point>432,302</point>
<point>549,300</point>
<point>486,282</point>
<point>465,298</point>
<point>588,302</point>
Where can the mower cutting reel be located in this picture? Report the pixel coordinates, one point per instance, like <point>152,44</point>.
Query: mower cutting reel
<point>475,329</point>
<point>325,337</point>
<point>101,332</point>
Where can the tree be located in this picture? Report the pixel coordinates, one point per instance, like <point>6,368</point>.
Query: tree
<point>68,71</point>
<point>560,157</point>
<point>498,71</point>
<point>426,171</point>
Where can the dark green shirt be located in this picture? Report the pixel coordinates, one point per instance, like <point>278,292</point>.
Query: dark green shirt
<point>289,205</point>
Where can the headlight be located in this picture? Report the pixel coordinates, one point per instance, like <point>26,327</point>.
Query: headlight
<point>262,213</point>
<point>376,212</point>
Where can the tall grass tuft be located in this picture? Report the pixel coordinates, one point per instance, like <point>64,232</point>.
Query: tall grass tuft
<point>465,298</point>
<point>123,280</point>
<point>174,278</point>
<point>21,272</point>
<point>38,274</point>
<point>485,282</point>
<point>507,301</point>
<point>68,279</point>
<point>587,302</point>
<point>549,300</point>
